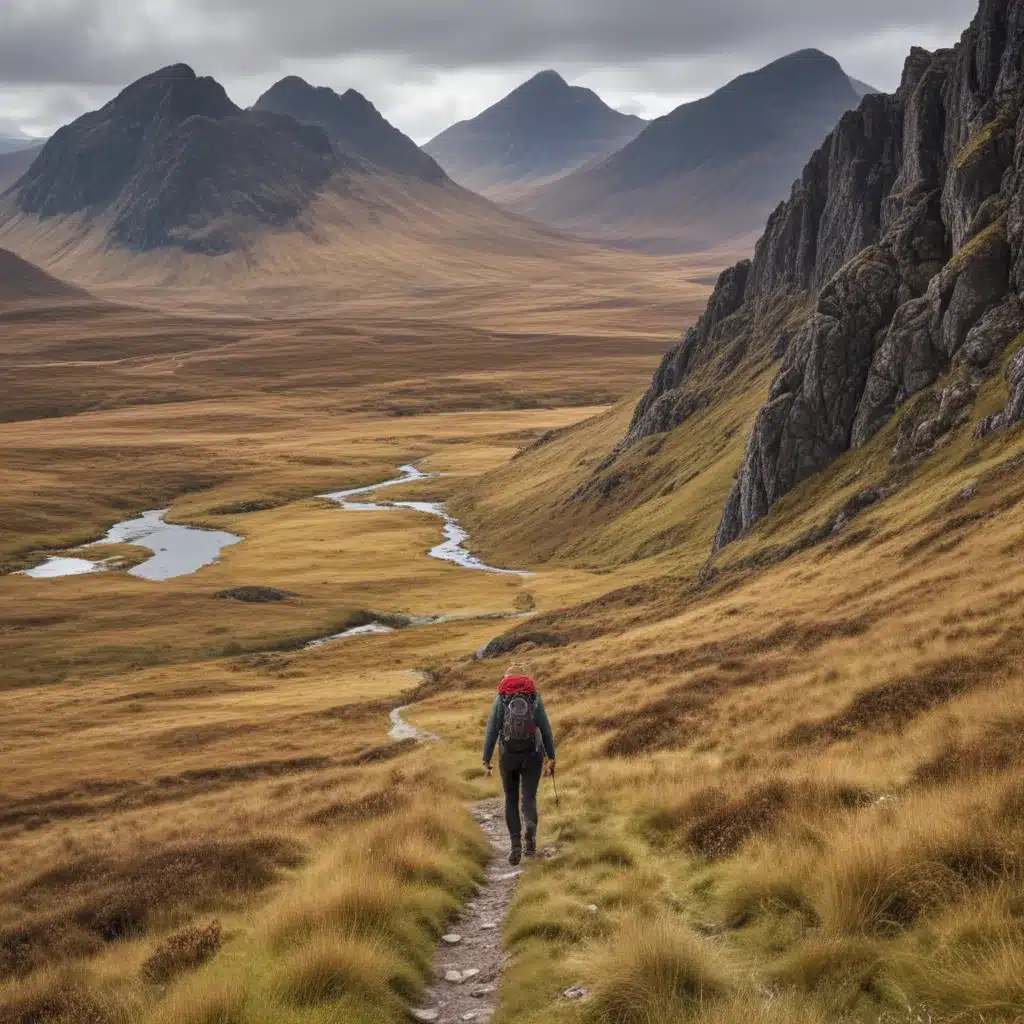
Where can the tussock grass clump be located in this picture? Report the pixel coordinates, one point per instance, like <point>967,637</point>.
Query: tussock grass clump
<point>546,914</point>
<point>55,997</point>
<point>984,980</point>
<point>332,967</point>
<point>881,882</point>
<point>219,1000</point>
<point>363,901</point>
<point>183,951</point>
<point>654,973</point>
<point>842,972</point>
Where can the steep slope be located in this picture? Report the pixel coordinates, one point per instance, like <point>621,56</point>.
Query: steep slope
<point>354,126</point>
<point>862,89</point>
<point>895,270</point>
<point>20,279</point>
<point>15,163</point>
<point>171,161</point>
<point>710,170</point>
<point>542,129</point>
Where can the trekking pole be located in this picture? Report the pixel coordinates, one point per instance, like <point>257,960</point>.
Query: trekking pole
<point>558,806</point>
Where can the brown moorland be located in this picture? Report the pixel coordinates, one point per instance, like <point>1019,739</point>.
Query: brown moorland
<point>772,785</point>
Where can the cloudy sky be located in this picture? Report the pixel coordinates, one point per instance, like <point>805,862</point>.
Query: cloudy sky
<point>428,63</point>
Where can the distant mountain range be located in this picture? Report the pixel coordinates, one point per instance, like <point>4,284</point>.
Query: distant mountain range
<point>13,143</point>
<point>172,162</point>
<point>14,163</point>
<point>171,183</point>
<point>541,130</point>
<point>354,126</point>
<point>707,172</point>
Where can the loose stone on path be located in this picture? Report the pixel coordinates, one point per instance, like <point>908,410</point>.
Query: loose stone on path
<point>473,952</point>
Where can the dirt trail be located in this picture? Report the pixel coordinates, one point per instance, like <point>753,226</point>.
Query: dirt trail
<point>467,971</point>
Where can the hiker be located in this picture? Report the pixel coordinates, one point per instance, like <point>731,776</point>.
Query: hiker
<point>519,721</point>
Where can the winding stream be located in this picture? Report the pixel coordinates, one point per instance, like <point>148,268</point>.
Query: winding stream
<point>402,730</point>
<point>451,549</point>
<point>177,550</point>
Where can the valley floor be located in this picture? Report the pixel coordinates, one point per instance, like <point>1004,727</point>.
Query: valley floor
<point>789,783</point>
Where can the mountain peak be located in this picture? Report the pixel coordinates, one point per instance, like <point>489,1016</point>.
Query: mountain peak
<point>141,155</point>
<point>548,78</point>
<point>353,124</point>
<point>710,170</point>
<point>542,128</point>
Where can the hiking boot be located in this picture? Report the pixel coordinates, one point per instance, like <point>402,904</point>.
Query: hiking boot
<point>531,845</point>
<point>515,854</point>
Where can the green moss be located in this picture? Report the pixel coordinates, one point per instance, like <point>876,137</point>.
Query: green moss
<point>982,243</point>
<point>975,146</point>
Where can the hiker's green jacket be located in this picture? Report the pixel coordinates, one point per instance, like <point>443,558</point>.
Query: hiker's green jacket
<point>545,739</point>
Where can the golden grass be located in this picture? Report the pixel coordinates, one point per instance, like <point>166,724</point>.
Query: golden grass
<point>791,790</point>
<point>809,760</point>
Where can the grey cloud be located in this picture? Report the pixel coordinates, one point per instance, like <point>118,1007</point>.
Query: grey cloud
<point>95,41</point>
<point>645,49</point>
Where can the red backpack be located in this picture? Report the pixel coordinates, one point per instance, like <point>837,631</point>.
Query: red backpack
<point>518,725</point>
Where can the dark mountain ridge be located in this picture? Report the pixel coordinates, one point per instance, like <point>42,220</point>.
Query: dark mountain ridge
<point>712,169</point>
<point>173,162</point>
<point>542,128</point>
<point>895,269</point>
<point>353,124</point>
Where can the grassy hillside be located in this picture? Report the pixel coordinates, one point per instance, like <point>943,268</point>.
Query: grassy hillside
<point>791,780</point>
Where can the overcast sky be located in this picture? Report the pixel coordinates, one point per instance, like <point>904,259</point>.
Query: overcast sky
<point>428,63</point>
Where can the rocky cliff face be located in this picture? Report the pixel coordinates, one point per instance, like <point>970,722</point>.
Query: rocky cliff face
<point>898,258</point>
<point>173,162</point>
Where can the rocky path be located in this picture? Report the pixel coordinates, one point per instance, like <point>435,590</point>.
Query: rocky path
<point>470,958</point>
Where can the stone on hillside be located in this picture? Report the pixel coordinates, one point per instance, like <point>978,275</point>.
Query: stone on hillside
<point>454,977</point>
<point>427,1016</point>
<point>451,939</point>
<point>576,993</point>
<point>481,991</point>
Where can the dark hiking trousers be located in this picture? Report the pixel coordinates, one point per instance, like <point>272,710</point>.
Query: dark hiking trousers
<point>520,773</point>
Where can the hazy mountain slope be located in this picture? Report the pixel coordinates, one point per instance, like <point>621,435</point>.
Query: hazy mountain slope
<point>20,279</point>
<point>353,125</point>
<point>14,143</point>
<point>15,163</point>
<point>542,129</point>
<point>710,170</point>
<point>862,88</point>
<point>171,161</point>
<point>889,285</point>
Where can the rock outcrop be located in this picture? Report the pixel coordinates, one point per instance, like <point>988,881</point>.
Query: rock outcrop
<point>171,161</point>
<point>898,258</point>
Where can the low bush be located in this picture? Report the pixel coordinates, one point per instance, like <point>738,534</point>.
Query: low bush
<point>183,951</point>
